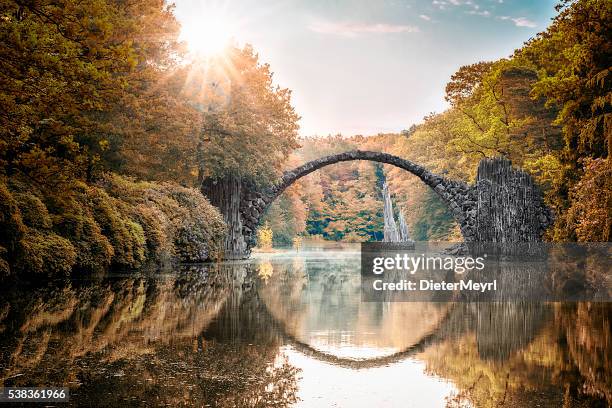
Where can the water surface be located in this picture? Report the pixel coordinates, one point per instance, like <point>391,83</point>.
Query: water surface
<point>289,329</point>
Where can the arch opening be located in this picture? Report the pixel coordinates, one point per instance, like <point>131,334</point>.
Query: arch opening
<point>457,196</point>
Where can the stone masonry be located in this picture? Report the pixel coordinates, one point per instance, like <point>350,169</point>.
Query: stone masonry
<point>504,205</point>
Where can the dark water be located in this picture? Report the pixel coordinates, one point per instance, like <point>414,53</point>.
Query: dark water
<point>289,329</point>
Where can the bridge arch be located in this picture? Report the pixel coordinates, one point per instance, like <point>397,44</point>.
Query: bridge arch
<point>504,205</point>
<point>458,196</point>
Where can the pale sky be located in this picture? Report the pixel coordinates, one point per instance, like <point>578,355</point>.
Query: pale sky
<point>364,67</point>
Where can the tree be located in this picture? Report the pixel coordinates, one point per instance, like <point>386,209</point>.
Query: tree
<point>78,79</point>
<point>249,126</point>
<point>499,114</point>
<point>265,237</point>
<point>574,56</point>
<point>591,202</point>
<point>573,61</point>
<point>465,81</point>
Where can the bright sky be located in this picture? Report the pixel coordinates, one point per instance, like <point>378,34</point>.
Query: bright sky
<point>361,66</point>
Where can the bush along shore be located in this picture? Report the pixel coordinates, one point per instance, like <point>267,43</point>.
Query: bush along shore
<point>115,223</point>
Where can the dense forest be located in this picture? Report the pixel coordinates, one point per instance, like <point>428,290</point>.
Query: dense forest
<point>108,129</point>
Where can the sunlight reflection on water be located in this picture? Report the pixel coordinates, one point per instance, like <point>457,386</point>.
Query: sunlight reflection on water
<point>315,293</point>
<point>403,384</point>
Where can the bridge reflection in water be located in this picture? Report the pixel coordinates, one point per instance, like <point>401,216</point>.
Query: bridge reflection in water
<point>289,329</point>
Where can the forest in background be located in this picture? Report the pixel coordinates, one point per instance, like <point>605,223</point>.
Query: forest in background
<point>547,107</point>
<point>107,130</point>
<point>344,202</point>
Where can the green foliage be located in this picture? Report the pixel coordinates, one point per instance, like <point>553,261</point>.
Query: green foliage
<point>547,108</point>
<point>246,117</point>
<point>573,61</point>
<point>45,253</point>
<point>347,204</point>
<point>573,57</point>
<point>344,202</point>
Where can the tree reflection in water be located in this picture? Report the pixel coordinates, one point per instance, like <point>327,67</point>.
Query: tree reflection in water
<point>141,341</point>
<point>217,335</point>
<point>525,355</point>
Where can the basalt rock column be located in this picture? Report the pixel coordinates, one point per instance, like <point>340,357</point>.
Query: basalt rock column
<point>510,205</point>
<point>226,194</point>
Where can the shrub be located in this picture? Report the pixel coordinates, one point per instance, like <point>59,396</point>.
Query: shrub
<point>200,230</point>
<point>186,224</point>
<point>33,212</point>
<point>11,223</point>
<point>126,237</point>
<point>157,231</point>
<point>590,214</point>
<point>45,253</point>
<point>94,250</point>
<point>265,237</point>
<point>75,220</point>
<point>119,222</point>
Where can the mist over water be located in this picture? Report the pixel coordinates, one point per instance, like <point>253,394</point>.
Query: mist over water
<point>289,329</point>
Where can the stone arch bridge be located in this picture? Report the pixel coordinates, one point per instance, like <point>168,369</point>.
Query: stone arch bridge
<point>503,205</point>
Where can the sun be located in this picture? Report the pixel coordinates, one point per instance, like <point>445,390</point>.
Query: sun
<point>207,34</point>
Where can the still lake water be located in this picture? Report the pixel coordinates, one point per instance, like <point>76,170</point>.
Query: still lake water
<point>289,329</point>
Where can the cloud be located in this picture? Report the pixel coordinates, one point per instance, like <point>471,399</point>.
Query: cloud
<point>441,4</point>
<point>425,17</point>
<point>523,22</point>
<point>484,13</point>
<point>519,21</point>
<point>346,29</point>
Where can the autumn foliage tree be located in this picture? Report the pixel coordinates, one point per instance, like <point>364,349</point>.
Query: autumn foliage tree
<point>79,79</point>
<point>573,59</point>
<point>89,87</point>
<point>249,126</point>
<point>547,108</point>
